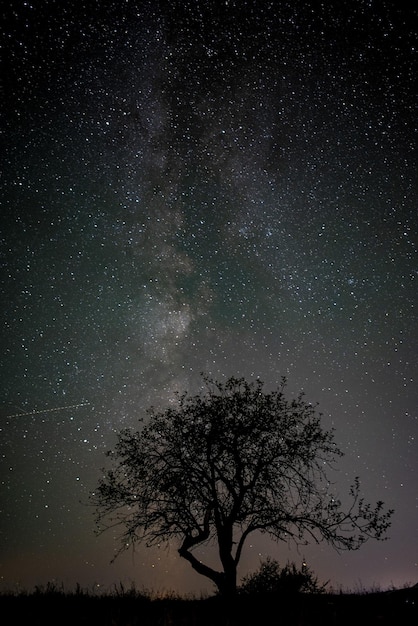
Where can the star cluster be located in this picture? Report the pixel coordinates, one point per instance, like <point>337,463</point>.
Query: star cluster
<point>227,187</point>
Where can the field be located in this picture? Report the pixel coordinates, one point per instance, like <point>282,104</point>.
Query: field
<point>54,606</point>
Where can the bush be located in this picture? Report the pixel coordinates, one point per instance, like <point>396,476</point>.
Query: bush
<point>271,578</point>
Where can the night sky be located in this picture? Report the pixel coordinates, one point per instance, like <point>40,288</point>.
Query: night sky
<point>201,186</point>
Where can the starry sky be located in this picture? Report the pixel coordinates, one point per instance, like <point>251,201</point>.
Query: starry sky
<point>203,186</point>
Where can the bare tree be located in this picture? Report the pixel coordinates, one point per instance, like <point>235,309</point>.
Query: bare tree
<point>223,464</point>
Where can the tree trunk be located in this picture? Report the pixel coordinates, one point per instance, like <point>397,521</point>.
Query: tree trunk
<point>228,584</point>
<point>229,576</point>
<point>225,581</point>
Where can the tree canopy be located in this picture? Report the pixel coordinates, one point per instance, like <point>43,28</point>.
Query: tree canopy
<point>220,465</point>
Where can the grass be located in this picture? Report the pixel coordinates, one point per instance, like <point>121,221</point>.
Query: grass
<point>128,606</point>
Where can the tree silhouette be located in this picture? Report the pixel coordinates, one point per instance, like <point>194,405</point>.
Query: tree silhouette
<point>220,465</point>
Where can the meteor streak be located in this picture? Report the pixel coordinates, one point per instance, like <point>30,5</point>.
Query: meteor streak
<point>58,408</point>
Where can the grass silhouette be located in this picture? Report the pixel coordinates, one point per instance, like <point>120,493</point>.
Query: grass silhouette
<point>127,606</point>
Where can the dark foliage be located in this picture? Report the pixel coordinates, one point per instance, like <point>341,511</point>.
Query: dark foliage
<point>271,578</point>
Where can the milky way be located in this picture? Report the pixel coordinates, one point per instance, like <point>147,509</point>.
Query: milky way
<point>220,187</point>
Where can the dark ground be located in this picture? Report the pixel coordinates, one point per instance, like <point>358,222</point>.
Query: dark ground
<point>47,608</point>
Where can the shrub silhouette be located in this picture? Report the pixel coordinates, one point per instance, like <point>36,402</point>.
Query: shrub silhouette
<point>271,578</point>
